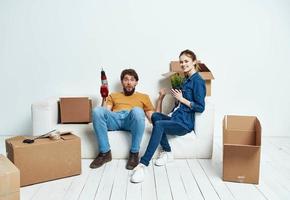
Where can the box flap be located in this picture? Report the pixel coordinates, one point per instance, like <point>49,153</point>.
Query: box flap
<point>241,130</point>
<point>204,72</point>
<point>239,137</point>
<point>175,66</point>
<point>69,136</point>
<point>206,75</point>
<point>258,132</point>
<point>17,142</point>
<point>241,146</point>
<point>168,74</point>
<point>237,122</point>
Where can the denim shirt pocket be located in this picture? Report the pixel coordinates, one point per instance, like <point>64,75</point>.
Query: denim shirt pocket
<point>187,93</point>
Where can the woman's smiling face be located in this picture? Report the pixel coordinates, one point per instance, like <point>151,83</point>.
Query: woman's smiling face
<point>186,63</point>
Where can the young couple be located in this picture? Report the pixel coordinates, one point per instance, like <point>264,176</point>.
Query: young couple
<point>127,110</point>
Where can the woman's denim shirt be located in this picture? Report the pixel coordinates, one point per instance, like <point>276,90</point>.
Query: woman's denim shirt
<point>193,89</point>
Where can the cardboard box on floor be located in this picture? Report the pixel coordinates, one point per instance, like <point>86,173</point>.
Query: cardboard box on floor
<point>45,159</point>
<point>9,180</point>
<point>205,73</point>
<point>241,149</point>
<point>75,110</point>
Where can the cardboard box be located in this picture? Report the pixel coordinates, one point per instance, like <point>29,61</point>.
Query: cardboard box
<point>45,159</point>
<point>9,180</point>
<point>241,149</point>
<point>75,110</point>
<point>205,73</point>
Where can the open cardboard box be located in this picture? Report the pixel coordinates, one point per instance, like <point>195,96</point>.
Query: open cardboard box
<point>241,149</point>
<point>205,73</point>
<point>9,180</point>
<point>75,110</point>
<point>45,159</point>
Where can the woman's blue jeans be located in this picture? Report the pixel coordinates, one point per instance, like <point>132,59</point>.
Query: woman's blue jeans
<point>162,125</point>
<point>132,121</point>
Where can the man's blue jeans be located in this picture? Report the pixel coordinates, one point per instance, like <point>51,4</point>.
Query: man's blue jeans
<point>132,121</point>
<point>162,125</point>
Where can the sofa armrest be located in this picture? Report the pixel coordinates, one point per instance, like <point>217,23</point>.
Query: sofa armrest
<point>44,115</point>
<point>204,122</point>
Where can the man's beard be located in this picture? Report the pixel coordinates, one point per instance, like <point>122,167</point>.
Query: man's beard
<point>128,93</point>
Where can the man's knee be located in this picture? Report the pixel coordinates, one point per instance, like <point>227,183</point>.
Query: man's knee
<point>137,113</point>
<point>99,112</point>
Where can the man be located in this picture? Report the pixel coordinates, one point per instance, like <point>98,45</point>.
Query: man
<point>122,111</point>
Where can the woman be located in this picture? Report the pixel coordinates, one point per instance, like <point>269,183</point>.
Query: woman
<point>181,121</point>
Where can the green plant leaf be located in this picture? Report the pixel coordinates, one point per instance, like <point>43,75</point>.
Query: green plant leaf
<point>176,81</point>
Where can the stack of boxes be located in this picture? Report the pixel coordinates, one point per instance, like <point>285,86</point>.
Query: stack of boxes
<point>9,180</point>
<point>45,159</point>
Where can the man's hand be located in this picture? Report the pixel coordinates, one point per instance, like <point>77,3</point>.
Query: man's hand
<point>104,90</point>
<point>148,115</point>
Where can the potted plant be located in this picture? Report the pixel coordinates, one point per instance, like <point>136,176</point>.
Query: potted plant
<point>176,81</point>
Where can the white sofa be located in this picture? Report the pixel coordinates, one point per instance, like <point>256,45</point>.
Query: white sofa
<point>192,145</point>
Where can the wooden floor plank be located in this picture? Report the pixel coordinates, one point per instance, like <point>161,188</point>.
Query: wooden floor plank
<point>177,188</point>
<point>119,190</point>
<point>106,184</point>
<point>214,174</point>
<point>53,190</point>
<point>134,191</point>
<point>92,184</point>
<point>28,192</point>
<point>162,185</point>
<point>148,186</point>
<point>78,183</point>
<point>279,159</point>
<point>244,191</point>
<point>204,184</point>
<point>191,187</point>
<point>272,186</point>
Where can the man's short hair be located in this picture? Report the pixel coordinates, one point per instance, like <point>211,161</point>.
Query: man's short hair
<point>130,72</point>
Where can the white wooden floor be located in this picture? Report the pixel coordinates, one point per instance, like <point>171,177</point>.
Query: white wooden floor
<point>180,180</point>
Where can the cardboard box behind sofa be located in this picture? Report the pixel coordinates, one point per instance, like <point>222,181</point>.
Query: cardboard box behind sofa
<point>45,159</point>
<point>9,180</point>
<point>75,110</point>
<point>241,149</point>
<point>205,73</point>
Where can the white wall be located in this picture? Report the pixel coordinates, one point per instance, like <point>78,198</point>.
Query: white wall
<point>56,48</point>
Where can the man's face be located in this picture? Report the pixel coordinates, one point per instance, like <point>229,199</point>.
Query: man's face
<point>129,83</point>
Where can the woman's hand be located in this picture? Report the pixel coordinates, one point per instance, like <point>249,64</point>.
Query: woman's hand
<point>162,93</point>
<point>177,94</point>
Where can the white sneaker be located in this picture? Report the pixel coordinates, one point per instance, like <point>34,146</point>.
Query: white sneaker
<point>164,157</point>
<point>138,173</point>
